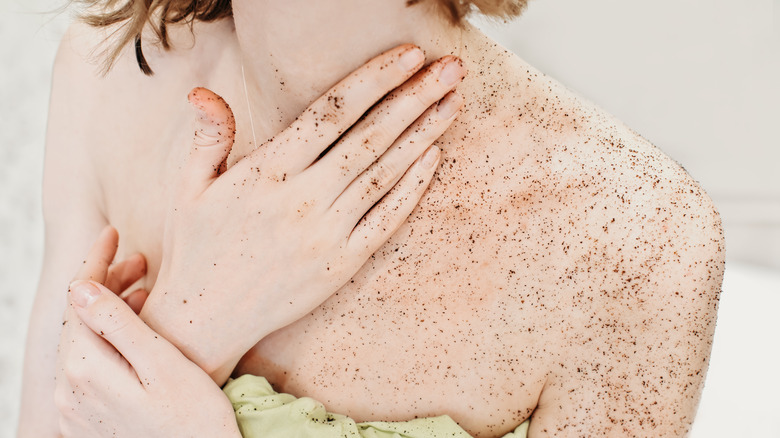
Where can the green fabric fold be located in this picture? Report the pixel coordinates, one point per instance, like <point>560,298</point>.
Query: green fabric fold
<point>261,412</point>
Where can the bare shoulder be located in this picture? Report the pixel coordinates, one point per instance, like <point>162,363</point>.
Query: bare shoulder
<point>80,70</point>
<point>82,89</point>
<point>614,190</point>
<point>81,63</point>
<point>632,251</point>
<point>69,169</point>
<point>77,48</point>
<point>111,117</point>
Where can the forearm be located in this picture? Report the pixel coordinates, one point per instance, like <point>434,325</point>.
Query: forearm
<point>63,255</point>
<point>38,413</point>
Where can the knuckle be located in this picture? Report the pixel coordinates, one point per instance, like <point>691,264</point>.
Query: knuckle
<point>334,104</point>
<point>375,75</point>
<point>384,173</point>
<point>328,112</point>
<point>428,89</point>
<point>316,247</point>
<point>421,96</point>
<point>373,136</point>
<point>426,93</point>
<point>206,137</point>
<point>119,324</point>
<point>305,207</point>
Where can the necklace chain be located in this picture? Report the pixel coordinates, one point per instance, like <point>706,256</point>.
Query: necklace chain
<point>248,106</point>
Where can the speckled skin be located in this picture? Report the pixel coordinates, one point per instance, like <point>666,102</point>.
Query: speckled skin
<point>559,262</point>
<point>559,267</point>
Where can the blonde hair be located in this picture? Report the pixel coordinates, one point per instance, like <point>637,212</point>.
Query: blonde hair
<point>133,16</point>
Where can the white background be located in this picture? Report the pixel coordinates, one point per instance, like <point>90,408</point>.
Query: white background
<point>698,78</point>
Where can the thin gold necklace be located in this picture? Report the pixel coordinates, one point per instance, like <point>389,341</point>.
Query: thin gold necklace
<point>248,106</point>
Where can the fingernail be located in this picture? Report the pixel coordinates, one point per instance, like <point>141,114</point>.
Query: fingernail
<point>452,72</point>
<point>412,58</point>
<point>431,157</point>
<point>449,105</point>
<point>83,293</point>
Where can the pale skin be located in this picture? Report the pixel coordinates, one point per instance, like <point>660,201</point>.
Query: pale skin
<point>559,267</point>
<point>313,238</point>
<point>115,368</point>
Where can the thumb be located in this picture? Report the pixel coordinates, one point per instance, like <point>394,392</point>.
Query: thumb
<point>109,316</point>
<point>215,131</point>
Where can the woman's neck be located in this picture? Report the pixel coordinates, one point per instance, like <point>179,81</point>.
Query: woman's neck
<point>294,50</point>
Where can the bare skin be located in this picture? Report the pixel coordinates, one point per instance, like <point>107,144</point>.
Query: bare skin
<point>559,267</point>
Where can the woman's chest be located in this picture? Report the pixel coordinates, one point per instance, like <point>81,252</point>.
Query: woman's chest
<point>428,326</point>
<point>433,322</point>
<point>137,176</point>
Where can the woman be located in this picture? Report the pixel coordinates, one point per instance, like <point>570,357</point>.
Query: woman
<point>552,270</point>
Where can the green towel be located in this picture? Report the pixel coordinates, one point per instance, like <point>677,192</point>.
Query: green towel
<point>262,412</point>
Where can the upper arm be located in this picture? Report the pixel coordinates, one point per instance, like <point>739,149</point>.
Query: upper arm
<point>635,359</point>
<point>73,219</point>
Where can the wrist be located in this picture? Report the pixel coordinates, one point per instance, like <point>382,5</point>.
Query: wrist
<point>200,342</point>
